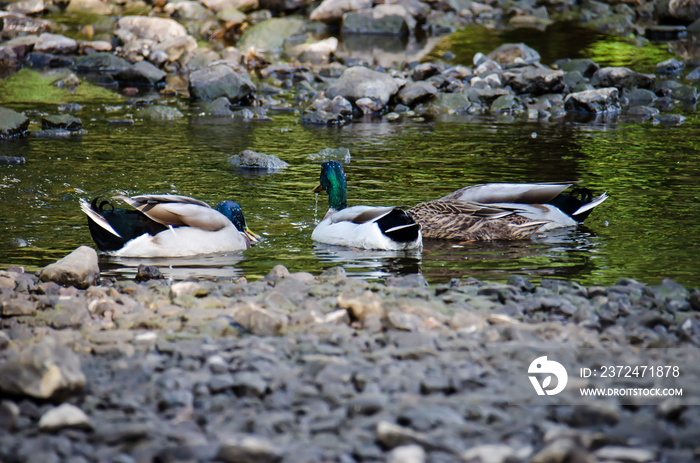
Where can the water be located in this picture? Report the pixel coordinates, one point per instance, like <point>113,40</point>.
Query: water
<point>647,230</point>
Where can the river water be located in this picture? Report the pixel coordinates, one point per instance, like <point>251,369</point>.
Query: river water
<point>647,230</point>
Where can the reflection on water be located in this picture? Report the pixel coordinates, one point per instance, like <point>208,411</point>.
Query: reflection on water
<point>366,263</point>
<point>211,266</point>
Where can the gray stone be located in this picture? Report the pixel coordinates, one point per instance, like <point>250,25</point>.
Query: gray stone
<point>61,121</point>
<point>489,453</point>
<point>79,269</point>
<point>129,28</point>
<point>160,113</point>
<point>407,454</point>
<point>621,77</point>
<point>624,454</point>
<point>249,159</point>
<point>514,53</point>
<point>270,35</point>
<point>101,62</point>
<point>13,124</point>
<point>416,92</point>
<point>260,321</point>
<point>534,80</point>
<point>15,24</point>
<point>332,11</point>
<point>249,448</point>
<point>142,73</point>
<point>331,154</point>
<point>321,117</point>
<point>359,82</point>
<point>391,435</point>
<point>56,44</point>
<point>604,100</point>
<point>670,66</point>
<point>507,104</point>
<point>381,20</point>
<point>9,412</point>
<point>63,416</point>
<point>585,66</point>
<point>46,370</point>
<point>220,80</point>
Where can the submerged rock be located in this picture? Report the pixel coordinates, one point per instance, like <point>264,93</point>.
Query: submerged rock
<point>13,124</point>
<point>604,100</point>
<point>249,159</point>
<point>61,121</point>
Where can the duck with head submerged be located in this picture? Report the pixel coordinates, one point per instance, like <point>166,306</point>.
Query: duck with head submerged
<point>496,211</point>
<point>366,227</point>
<point>167,226</point>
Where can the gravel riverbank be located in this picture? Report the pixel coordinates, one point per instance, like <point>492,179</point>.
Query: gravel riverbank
<point>304,368</point>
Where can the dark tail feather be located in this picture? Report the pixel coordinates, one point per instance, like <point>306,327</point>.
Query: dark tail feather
<point>398,226</point>
<point>570,203</point>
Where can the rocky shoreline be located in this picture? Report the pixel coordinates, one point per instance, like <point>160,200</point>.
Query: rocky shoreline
<point>313,368</point>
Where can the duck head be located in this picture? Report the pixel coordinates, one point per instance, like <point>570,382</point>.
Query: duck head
<point>233,211</point>
<point>333,182</point>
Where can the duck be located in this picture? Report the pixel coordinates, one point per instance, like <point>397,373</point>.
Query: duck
<point>504,211</point>
<point>164,225</point>
<point>365,227</point>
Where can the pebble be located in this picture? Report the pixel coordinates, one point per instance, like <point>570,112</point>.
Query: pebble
<point>63,416</point>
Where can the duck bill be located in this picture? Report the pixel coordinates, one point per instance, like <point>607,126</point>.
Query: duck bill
<point>319,188</point>
<point>253,237</point>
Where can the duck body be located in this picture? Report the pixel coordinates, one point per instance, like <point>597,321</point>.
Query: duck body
<point>365,227</point>
<point>504,211</point>
<point>166,226</point>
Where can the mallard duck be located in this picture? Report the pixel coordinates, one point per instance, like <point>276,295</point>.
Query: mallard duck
<point>167,226</point>
<point>366,227</point>
<point>504,210</point>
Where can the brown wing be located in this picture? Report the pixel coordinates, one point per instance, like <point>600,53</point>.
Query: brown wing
<point>177,211</point>
<point>460,220</point>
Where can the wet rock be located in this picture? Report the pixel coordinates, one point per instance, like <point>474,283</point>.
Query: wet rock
<point>359,82</point>
<point>624,454</point>
<point>55,44</point>
<point>585,66</point>
<point>220,80</point>
<point>64,416</point>
<point>534,80</point>
<point>187,288</point>
<point>391,435</point>
<point>321,117</point>
<point>9,412</point>
<point>316,52</point>
<point>382,20</point>
<point>45,370</point>
<point>514,53</point>
<point>669,119</point>
<point>15,24</point>
<point>129,28</point>
<point>331,154</point>
<point>621,77</point>
<point>249,159</point>
<point>13,124</point>
<point>90,7</point>
<point>78,268</point>
<point>507,104</point>
<point>686,93</point>
<point>26,7</point>
<point>283,5</point>
<point>10,160</point>
<point>148,272</point>
<point>332,11</point>
<point>407,454</point>
<point>141,73</point>
<point>249,448</point>
<point>270,35</point>
<point>101,62</point>
<point>670,66</point>
<point>416,92</point>
<point>684,10</point>
<point>188,11</point>
<point>640,97</point>
<point>604,100</point>
<point>361,306</point>
<point>260,321</point>
<point>160,113</point>
<point>62,122</point>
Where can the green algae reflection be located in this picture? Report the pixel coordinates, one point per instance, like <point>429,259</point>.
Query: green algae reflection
<point>29,86</point>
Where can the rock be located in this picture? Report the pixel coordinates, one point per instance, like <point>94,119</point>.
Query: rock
<point>585,66</point>
<point>361,306</point>
<point>604,100</point>
<point>142,73</point>
<point>332,11</point>
<point>270,35</point>
<point>159,30</point>
<point>382,20</point>
<point>249,159</point>
<point>223,5</point>
<point>79,269</point>
<point>534,80</point>
<point>220,80</point>
<point>316,52</point>
<point>187,288</point>
<point>46,370</point>
<point>84,7</point>
<point>359,82</point>
<point>11,160</point>
<point>670,66</point>
<point>260,321</point>
<point>148,272</point>
<point>63,416</point>
<point>416,92</point>
<point>513,54</point>
<point>13,124</point>
<point>684,10</point>
<point>391,435</point>
<point>62,121</point>
<point>101,62</point>
<point>507,104</point>
<point>321,117</point>
<point>557,451</point>
<point>621,77</point>
<point>624,454</point>
<point>160,113</point>
<point>188,11</point>
<point>489,453</point>
<point>283,5</point>
<point>331,154</point>
<point>15,24</point>
<point>407,454</point>
<point>248,448</point>
<point>9,412</point>
<point>26,7</point>
<point>56,44</point>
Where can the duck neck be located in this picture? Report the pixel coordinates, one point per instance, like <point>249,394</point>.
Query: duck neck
<point>337,194</point>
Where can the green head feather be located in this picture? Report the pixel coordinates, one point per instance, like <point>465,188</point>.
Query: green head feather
<point>333,181</point>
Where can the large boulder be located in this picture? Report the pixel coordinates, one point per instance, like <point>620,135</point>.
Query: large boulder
<point>220,80</point>
<point>13,124</point>
<point>46,370</point>
<point>79,269</point>
<point>359,82</point>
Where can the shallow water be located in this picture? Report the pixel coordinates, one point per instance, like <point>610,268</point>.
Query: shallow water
<point>647,230</point>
